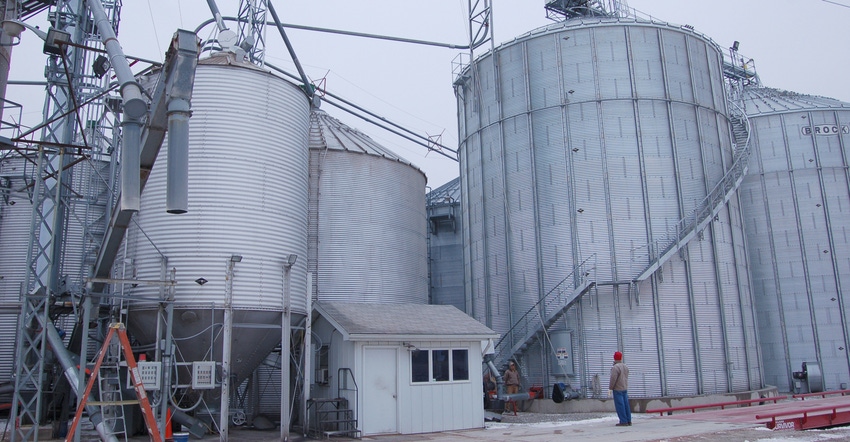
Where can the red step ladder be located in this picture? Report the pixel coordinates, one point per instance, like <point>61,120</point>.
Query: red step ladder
<point>118,328</point>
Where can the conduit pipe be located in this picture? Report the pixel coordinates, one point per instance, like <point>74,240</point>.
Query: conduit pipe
<point>135,108</point>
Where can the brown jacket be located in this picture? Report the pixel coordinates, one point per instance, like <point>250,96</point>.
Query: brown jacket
<point>619,380</point>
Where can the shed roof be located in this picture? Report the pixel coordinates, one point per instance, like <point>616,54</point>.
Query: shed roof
<point>368,321</point>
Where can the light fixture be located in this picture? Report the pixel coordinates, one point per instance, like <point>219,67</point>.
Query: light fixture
<point>290,260</point>
<point>13,28</point>
<point>735,46</point>
<point>201,281</point>
<point>100,66</point>
<point>235,258</point>
<point>55,41</point>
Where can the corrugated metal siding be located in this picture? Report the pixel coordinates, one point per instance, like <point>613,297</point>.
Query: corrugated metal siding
<point>86,220</point>
<point>586,169</point>
<point>8,339</point>
<point>796,198</point>
<point>247,194</point>
<point>15,227</point>
<point>371,230</point>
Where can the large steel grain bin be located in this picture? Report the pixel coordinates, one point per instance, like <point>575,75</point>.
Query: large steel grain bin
<point>367,225</point>
<point>247,210</point>
<point>445,246</point>
<point>797,219</point>
<point>583,145</point>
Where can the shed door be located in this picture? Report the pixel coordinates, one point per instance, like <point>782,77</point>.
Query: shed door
<point>380,379</point>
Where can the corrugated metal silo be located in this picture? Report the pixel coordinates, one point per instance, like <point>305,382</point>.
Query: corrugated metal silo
<point>248,197</point>
<point>588,140</point>
<point>797,199</point>
<point>367,219</point>
<point>445,246</point>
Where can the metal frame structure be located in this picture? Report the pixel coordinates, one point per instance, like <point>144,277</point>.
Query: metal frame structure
<point>73,114</point>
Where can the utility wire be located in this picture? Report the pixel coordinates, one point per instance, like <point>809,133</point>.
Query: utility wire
<point>836,3</point>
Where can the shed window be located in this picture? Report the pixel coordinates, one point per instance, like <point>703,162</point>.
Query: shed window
<point>439,365</point>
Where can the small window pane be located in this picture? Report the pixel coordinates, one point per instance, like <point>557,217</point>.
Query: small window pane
<point>460,365</point>
<point>419,366</point>
<point>441,365</point>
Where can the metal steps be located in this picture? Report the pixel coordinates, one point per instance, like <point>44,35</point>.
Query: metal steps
<point>528,329</point>
<point>333,418</point>
<point>688,227</point>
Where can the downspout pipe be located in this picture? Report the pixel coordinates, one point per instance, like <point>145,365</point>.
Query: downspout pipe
<point>178,113</point>
<point>135,109</point>
<point>69,368</point>
<point>500,381</point>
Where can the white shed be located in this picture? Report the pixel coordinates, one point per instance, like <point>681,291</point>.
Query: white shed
<point>399,368</point>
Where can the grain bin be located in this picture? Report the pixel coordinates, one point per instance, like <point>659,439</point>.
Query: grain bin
<point>367,219</point>
<point>586,141</point>
<point>445,246</point>
<point>797,216</point>
<point>247,201</point>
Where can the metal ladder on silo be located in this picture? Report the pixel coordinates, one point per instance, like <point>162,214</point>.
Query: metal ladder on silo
<point>688,227</point>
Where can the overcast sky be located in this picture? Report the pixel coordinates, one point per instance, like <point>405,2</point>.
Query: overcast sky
<point>798,45</point>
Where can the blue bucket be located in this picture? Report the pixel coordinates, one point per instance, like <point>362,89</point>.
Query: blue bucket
<point>181,437</point>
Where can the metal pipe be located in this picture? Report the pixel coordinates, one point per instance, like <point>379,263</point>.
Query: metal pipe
<point>177,193</point>
<point>135,108</point>
<point>308,89</point>
<point>69,368</point>
<point>227,336</point>
<point>308,354</point>
<point>361,34</point>
<point>500,381</point>
<point>284,354</point>
<point>216,15</point>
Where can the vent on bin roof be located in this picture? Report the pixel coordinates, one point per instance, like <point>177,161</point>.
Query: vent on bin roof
<point>326,132</point>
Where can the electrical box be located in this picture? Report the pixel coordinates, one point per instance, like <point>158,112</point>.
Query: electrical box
<point>203,375</point>
<point>322,376</point>
<point>150,374</point>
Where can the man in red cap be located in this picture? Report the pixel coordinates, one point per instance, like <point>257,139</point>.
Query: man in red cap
<point>618,383</point>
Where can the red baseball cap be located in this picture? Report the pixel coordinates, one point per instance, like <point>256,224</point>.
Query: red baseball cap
<point>618,356</point>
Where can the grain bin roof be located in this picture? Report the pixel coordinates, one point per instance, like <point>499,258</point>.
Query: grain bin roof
<point>364,321</point>
<point>760,101</point>
<point>326,132</point>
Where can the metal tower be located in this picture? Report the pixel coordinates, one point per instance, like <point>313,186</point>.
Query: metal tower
<point>76,128</point>
<point>252,29</point>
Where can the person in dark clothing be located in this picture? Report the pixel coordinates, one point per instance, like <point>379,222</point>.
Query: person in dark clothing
<point>619,385</point>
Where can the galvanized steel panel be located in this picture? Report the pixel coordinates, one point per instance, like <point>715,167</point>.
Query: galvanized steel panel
<point>603,177</point>
<point>543,72</point>
<point>237,204</point>
<point>799,231</point>
<point>15,227</point>
<point>371,230</point>
<point>248,167</point>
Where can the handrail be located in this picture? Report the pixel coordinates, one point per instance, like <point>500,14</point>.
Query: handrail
<point>722,405</point>
<point>535,314</point>
<point>705,210</point>
<point>804,412</point>
<point>822,394</point>
<point>356,389</point>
